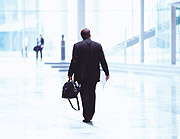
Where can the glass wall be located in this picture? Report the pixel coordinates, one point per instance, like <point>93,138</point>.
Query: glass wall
<point>115,24</point>
<point>178,35</point>
<point>121,21</point>
<point>162,38</point>
<point>111,23</point>
<point>30,18</point>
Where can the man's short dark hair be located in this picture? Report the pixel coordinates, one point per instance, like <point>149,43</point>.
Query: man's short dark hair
<point>85,33</point>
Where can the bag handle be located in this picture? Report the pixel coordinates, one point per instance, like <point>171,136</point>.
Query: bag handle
<point>72,104</point>
<point>70,80</point>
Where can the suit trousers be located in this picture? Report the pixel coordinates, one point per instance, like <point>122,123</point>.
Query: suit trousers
<point>40,53</point>
<point>88,97</point>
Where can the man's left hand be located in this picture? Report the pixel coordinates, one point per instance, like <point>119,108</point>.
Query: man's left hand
<point>107,77</point>
<point>70,78</point>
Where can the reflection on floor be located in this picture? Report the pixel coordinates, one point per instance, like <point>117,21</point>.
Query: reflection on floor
<point>129,106</point>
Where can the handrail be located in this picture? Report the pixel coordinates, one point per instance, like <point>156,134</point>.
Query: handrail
<point>148,34</point>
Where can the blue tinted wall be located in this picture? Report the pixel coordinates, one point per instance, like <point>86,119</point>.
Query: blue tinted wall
<point>111,23</point>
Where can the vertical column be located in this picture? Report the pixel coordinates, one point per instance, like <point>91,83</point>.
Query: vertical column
<point>23,29</point>
<point>95,18</point>
<point>20,18</point>
<point>173,35</point>
<point>132,25</point>
<point>80,17</point>
<point>37,17</point>
<point>64,17</point>
<point>141,35</point>
<point>125,46</point>
<point>23,23</point>
<point>62,49</point>
<point>64,28</point>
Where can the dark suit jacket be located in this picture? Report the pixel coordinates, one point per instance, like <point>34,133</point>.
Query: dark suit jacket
<point>42,41</point>
<point>86,59</point>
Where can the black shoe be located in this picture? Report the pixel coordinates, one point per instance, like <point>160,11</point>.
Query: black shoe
<point>86,121</point>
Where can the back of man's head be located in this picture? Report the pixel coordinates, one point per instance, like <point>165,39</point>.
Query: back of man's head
<point>85,33</point>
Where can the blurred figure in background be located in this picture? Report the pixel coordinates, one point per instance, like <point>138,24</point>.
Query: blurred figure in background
<point>25,43</point>
<point>40,44</point>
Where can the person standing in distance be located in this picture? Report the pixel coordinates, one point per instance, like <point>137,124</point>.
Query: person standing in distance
<point>40,43</point>
<point>87,56</point>
<point>25,43</point>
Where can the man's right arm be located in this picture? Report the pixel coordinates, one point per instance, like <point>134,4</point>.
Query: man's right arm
<point>73,63</point>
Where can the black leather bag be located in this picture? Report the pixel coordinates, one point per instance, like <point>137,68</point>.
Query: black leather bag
<point>70,90</point>
<point>36,48</point>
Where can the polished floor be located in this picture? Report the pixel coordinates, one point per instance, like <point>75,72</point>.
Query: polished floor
<point>130,106</point>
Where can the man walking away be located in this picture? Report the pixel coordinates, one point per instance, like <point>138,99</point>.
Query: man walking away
<point>87,56</point>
